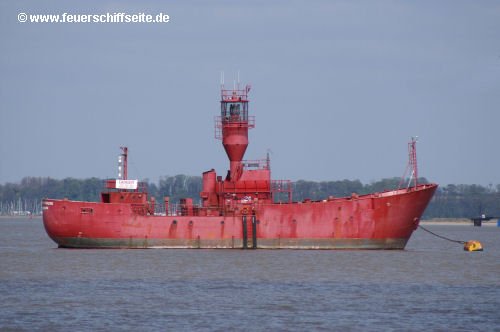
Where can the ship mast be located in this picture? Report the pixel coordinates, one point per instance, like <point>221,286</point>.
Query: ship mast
<point>122,164</point>
<point>412,164</point>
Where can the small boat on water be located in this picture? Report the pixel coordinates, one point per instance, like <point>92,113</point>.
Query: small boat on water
<point>239,210</point>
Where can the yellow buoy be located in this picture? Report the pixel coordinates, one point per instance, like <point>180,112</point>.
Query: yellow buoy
<point>473,246</point>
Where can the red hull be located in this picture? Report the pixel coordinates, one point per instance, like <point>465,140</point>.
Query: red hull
<point>376,221</point>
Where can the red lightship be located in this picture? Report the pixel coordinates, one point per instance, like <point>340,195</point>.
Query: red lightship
<point>240,210</point>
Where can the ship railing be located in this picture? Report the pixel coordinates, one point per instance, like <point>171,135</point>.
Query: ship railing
<point>256,164</point>
<point>248,121</point>
<point>229,94</point>
<point>281,185</point>
<point>177,209</point>
<point>280,188</point>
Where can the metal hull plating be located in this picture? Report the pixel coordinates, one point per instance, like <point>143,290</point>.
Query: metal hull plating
<point>376,221</point>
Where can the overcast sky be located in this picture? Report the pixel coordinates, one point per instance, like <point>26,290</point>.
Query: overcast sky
<point>338,88</point>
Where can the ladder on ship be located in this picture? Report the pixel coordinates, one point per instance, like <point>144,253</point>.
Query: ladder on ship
<point>249,227</point>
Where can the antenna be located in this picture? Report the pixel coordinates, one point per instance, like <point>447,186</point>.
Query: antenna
<point>222,78</point>
<point>238,79</point>
<point>268,159</point>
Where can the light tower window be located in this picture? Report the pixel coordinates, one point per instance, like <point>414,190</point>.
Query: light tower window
<point>234,111</point>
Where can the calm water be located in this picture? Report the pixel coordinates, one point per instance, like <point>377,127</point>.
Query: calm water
<point>433,285</point>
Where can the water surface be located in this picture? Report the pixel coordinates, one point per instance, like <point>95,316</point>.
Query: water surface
<point>433,284</point>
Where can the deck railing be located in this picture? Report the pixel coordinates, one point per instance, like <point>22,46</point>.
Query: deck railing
<point>279,187</point>
<point>249,122</point>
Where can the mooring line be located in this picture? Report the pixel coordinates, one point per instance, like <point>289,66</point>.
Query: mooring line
<point>440,236</point>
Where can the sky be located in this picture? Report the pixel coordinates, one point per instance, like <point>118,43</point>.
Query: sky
<point>338,88</point>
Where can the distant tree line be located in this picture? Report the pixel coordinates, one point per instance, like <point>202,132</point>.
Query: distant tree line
<point>451,201</point>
